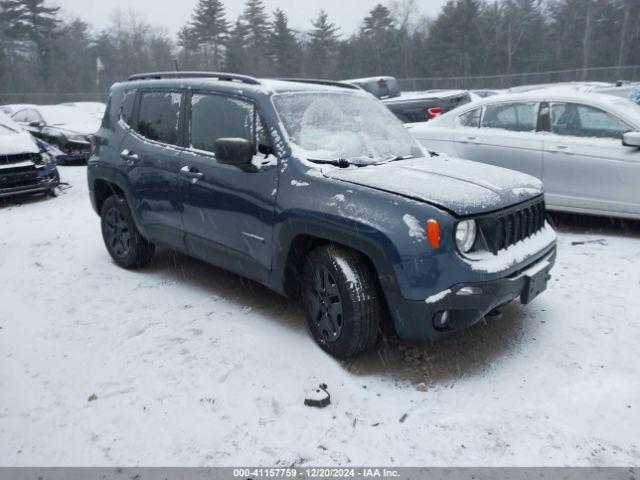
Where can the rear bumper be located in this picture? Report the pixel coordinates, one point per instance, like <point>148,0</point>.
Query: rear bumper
<point>468,303</point>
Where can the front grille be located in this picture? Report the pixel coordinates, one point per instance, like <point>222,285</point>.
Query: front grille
<point>502,229</point>
<point>20,157</point>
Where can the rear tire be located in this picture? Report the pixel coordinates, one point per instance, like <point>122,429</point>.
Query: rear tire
<point>341,300</point>
<point>124,243</point>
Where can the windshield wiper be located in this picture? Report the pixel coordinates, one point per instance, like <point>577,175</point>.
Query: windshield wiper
<point>396,158</point>
<point>342,162</point>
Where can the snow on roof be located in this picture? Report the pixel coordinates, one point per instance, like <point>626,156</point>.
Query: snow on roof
<point>14,107</point>
<point>290,85</point>
<point>64,114</point>
<point>562,93</point>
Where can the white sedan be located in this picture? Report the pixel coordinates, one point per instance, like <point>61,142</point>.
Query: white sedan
<point>585,147</point>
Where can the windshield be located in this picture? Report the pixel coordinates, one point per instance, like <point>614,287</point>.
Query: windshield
<point>330,126</point>
<point>61,115</point>
<point>8,126</point>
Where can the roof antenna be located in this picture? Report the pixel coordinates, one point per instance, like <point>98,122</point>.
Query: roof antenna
<point>175,63</point>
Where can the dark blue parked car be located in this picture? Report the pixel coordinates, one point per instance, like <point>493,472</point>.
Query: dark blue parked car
<point>316,190</point>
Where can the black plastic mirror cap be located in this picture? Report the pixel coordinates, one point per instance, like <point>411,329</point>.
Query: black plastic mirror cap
<point>234,151</point>
<point>631,139</point>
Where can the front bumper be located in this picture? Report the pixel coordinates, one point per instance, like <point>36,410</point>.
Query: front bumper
<point>415,319</point>
<point>28,183</point>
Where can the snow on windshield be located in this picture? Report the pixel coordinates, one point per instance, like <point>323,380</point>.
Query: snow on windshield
<point>62,115</point>
<point>5,130</point>
<point>631,109</point>
<point>330,126</point>
<point>8,126</point>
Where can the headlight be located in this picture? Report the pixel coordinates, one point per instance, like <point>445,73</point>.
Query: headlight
<point>48,159</point>
<point>466,235</point>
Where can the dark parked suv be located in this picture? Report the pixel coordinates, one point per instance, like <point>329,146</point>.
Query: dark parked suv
<point>316,191</point>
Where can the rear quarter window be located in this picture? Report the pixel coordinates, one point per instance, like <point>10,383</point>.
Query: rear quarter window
<point>126,108</point>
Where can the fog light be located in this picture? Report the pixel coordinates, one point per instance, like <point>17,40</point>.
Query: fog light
<point>469,291</point>
<point>441,320</point>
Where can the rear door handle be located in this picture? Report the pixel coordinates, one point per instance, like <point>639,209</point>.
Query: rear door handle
<point>191,173</point>
<point>128,156</point>
<point>469,139</point>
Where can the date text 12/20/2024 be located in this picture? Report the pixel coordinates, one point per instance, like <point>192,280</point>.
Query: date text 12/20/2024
<point>317,472</point>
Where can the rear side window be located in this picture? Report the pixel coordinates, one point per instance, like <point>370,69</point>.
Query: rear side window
<point>217,116</point>
<point>159,116</point>
<point>470,119</point>
<point>126,109</point>
<point>515,117</point>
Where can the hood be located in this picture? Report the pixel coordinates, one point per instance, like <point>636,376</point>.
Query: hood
<point>17,143</point>
<point>78,128</point>
<point>459,186</point>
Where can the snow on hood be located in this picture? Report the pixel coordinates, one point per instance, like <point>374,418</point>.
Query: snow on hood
<point>78,128</point>
<point>460,186</point>
<point>17,143</point>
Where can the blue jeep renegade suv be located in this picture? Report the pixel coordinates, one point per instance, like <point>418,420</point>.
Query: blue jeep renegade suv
<point>316,190</point>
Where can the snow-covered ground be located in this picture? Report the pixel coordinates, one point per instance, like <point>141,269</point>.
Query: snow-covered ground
<point>184,364</point>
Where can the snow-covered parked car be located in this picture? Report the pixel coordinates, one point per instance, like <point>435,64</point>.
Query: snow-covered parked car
<point>96,109</point>
<point>67,128</point>
<point>24,168</point>
<point>585,147</point>
<point>317,191</point>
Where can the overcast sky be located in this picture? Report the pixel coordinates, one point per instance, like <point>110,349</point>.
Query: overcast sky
<point>173,14</point>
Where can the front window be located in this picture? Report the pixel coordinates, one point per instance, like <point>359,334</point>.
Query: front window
<point>575,120</point>
<point>217,116</point>
<point>343,126</point>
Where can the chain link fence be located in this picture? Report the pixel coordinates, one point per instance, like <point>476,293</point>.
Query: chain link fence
<point>604,74</point>
<point>49,98</point>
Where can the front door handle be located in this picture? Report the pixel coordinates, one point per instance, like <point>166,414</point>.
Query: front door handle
<point>128,156</point>
<point>562,149</point>
<point>191,173</point>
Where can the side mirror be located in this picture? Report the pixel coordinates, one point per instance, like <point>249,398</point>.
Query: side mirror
<point>35,124</point>
<point>234,151</point>
<point>631,139</point>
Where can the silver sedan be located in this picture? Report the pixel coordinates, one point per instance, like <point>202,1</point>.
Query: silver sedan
<point>585,147</point>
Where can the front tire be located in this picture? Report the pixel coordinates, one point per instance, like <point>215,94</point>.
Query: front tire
<point>124,243</point>
<point>341,300</point>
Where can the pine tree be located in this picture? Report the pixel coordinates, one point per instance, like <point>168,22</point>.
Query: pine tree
<point>208,29</point>
<point>236,54</point>
<point>32,21</point>
<point>379,36</point>
<point>283,46</point>
<point>323,46</point>
<point>256,26</point>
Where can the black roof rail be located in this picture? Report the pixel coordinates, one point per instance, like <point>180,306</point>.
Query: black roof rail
<point>230,77</point>
<point>330,83</point>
